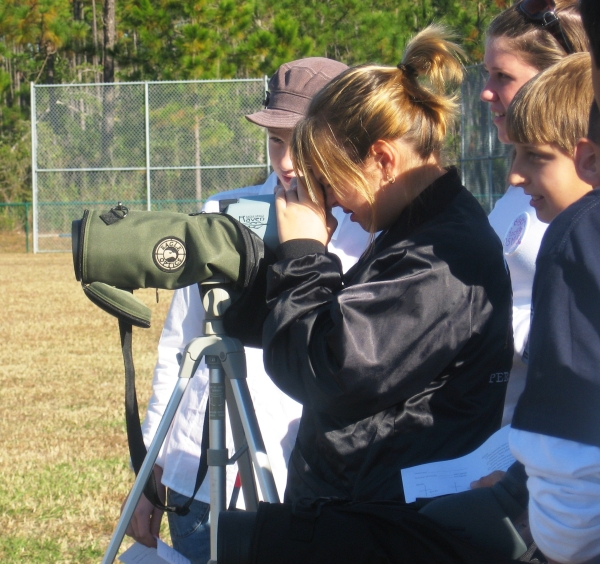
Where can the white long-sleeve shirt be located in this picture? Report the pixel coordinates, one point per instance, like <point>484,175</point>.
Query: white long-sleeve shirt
<point>564,494</point>
<point>514,221</point>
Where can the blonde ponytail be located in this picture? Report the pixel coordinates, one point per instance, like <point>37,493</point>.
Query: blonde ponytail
<point>414,102</point>
<point>431,53</point>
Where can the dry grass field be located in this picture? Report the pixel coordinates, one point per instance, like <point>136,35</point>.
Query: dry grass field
<point>14,242</point>
<point>64,467</point>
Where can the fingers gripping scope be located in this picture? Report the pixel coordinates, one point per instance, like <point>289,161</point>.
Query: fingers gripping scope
<point>118,251</point>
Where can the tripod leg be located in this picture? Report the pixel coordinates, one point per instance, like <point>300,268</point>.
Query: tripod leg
<point>262,466</point>
<point>244,463</point>
<point>217,453</point>
<point>145,471</point>
<point>191,358</point>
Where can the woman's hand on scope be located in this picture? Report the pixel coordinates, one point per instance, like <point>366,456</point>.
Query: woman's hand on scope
<point>298,217</point>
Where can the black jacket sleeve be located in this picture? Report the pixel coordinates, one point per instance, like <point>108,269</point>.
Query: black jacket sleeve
<point>356,350</point>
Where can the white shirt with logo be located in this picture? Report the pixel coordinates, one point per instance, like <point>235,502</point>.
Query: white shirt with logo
<point>514,221</point>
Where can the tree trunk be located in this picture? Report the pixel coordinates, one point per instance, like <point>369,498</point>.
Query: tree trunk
<point>13,79</point>
<point>95,60</point>
<point>108,123</point>
<point>109,40</point>
<point>52,99</point>
<point>77,47</point>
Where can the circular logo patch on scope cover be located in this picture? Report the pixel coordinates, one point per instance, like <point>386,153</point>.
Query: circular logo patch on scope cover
<point>169,254</point>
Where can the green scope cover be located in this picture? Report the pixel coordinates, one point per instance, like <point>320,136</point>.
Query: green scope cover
<point>166,250</point>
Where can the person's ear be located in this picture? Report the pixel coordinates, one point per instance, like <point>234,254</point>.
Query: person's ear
<point>384,156</point>
<point>587,162</point>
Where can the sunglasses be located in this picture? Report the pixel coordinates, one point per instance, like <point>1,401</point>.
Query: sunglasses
<point>542,13</point>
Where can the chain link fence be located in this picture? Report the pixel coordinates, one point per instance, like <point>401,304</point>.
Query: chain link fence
<point>152,146</point>
<point>484,161</point>
<point>170,145</point>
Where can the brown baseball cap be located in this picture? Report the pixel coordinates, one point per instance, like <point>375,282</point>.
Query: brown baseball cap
<point>292,88</point>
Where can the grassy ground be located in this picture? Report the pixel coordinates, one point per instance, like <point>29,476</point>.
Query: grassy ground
<point>63,459</point>
<point>14,242</point>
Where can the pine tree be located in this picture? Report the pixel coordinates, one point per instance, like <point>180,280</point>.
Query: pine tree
<point>57,41</point>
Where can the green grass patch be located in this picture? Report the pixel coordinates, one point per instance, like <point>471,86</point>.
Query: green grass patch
<point>18,550</point>
<point>55,513</point>
<point>59,488</point>
<point>27,549</point>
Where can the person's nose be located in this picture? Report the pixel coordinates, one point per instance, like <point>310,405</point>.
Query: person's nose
<point>488,94</point>
<point>286,162</point>
<point>517,176</point>
<point>330,199</point>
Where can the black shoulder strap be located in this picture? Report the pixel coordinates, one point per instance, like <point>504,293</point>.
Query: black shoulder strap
<point>137,448</point>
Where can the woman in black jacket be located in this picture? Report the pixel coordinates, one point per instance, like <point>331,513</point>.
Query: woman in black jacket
<point>405,359</point>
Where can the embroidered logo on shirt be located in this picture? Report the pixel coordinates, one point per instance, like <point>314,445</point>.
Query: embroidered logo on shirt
<point>515,234</point>
<point>253,222</point>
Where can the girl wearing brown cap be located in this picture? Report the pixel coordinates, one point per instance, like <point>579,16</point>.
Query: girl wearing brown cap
<point>404,359</point>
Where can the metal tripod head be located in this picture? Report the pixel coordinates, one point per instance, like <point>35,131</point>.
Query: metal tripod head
<point>216,297</point>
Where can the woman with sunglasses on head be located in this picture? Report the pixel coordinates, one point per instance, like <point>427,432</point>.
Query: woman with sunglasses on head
<point>522,41</point>
<point>404,359</point>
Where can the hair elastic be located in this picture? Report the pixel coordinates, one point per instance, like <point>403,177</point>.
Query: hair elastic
<point>408,69</point>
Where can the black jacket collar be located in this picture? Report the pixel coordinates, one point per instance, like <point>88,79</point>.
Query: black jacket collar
<point>432,201</point>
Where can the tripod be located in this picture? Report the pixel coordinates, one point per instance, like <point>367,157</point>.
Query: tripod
<point>226,362</point>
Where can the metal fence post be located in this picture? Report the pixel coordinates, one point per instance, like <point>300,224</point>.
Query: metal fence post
<point>27,204</point>
<point>147,122</point>
<point>34,169</point>
<point>490,169</point>
<point>266,79</point>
